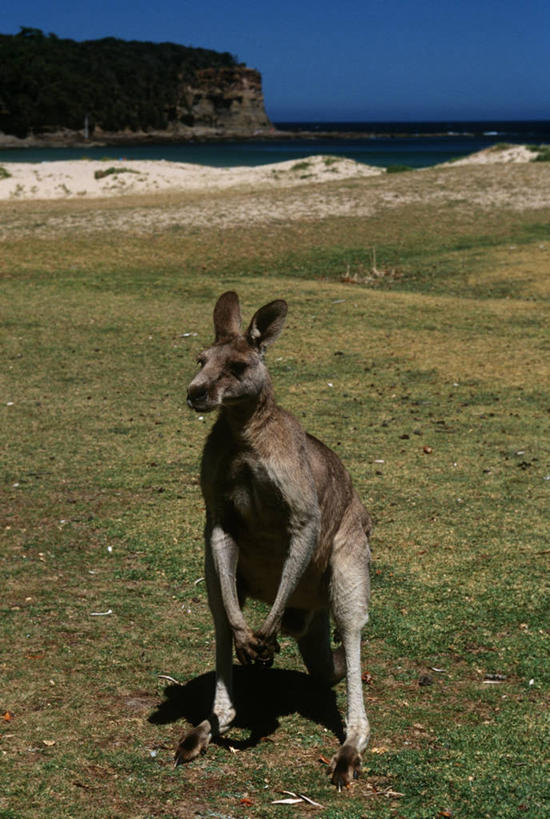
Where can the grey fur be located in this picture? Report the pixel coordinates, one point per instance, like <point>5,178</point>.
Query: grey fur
<point>283,525</point>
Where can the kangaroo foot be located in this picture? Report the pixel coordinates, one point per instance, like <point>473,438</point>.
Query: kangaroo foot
<point>193,743</point>
<point>345,766</point>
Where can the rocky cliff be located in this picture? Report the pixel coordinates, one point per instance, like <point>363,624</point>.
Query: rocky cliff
<point>60,92</point>
<point>226,98</point>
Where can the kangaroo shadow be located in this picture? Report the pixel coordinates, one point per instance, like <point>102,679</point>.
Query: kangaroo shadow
<point>261,697</point>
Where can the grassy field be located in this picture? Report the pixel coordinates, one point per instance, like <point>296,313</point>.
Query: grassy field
<point>418,347</point>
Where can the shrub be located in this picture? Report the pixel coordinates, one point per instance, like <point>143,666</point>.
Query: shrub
<point>101,174</point>
<point>542,153</point>
<point>398,168</point>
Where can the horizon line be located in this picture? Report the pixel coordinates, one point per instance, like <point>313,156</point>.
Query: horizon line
<point>375,121</point>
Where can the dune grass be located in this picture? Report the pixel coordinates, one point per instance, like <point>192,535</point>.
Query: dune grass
<point>542,152</point>
<point>431,381</point>
<point>112,171</point>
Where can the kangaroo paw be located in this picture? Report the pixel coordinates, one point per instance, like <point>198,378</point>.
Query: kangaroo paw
<point>345,766</point>
<point>193,743</point>
<point>266,650</point>
<point>246,648</point>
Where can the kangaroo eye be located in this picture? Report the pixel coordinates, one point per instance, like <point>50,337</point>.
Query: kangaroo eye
<point>201,361</point>
<point>237,367</point>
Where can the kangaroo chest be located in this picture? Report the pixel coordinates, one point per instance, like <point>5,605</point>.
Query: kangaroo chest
<point>263,533</point>
<point>255,496</point>
<point>258,502</point>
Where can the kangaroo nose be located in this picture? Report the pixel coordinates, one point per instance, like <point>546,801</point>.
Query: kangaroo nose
<point>196,395</point>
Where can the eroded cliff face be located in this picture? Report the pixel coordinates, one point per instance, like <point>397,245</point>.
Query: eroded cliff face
<point>222,98</point>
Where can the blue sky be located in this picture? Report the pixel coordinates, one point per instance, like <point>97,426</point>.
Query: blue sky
<point>345,59</point>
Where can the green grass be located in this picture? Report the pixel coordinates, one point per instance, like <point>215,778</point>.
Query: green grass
<point>440,409</point>
<point>4,173</point>
<point>398,168</point>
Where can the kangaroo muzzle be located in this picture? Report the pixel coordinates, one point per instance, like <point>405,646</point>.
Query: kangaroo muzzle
<point>197,398</point>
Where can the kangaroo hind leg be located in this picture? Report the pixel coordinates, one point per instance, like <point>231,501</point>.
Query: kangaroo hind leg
<point>350,598</point>
<point>196,741</point>
<point>324,664</point>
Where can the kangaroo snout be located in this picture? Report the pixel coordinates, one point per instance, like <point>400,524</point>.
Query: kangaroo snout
<point>197,397</point>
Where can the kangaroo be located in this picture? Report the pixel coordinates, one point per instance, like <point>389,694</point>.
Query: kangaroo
<point>283,525</point>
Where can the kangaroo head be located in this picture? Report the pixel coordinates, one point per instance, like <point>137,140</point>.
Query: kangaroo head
<point>233,369</point>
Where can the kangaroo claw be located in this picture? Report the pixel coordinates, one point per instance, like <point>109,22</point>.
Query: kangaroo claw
<point>267,648</point>
<point>247,648</point>
<point>345,767</point>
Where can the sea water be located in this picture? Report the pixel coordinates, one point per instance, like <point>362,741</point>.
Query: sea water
<point>413,144</point>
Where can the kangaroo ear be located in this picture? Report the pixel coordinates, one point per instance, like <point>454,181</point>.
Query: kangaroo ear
<point>227,316</point>
<point>266,324</point>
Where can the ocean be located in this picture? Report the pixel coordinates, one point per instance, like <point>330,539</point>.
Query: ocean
<point>414,144</point>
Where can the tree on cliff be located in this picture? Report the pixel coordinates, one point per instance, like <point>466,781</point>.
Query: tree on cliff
<point>48,83</point>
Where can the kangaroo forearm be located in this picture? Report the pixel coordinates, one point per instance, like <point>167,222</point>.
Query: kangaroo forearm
<point>301,551</point>
<point>221,565</point>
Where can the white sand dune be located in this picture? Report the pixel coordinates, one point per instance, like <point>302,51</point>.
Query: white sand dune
<point>85,178</point>
<point>89,179</point>
<point>496,155</point>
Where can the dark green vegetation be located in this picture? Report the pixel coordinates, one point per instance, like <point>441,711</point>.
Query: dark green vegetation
<point>398,168</point>
<point>101,174</point>
<point>431,381</point>
<point>48,83</point>
<point>542,152</point>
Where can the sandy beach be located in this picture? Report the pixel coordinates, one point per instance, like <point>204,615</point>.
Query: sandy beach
<point>81,179</point>
<point>91,179</point>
